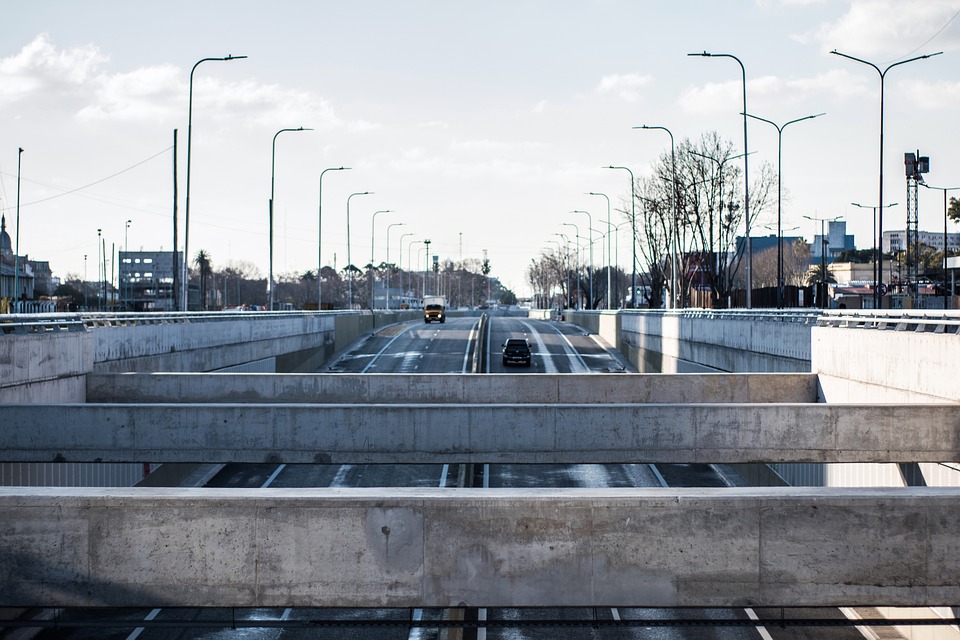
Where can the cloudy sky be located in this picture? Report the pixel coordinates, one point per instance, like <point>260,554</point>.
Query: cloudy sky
<point>481,125</point>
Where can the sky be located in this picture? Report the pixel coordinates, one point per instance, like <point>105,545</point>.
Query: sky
<point>477,125</point>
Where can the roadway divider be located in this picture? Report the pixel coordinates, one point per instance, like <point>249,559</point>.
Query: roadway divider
<point>479,362</point>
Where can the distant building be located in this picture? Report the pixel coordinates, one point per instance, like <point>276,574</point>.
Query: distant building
<point>896,240</point>
<point>833,244</point>
<point>16,275</point>
<point>146,280</point>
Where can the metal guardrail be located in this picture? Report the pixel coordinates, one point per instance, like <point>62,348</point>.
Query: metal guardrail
<point>935,321</point>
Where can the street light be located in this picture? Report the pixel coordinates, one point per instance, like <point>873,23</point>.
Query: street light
<point>823,257</point>
<point>883,75</point>
<point>390,226</point>
<point>746,169</point>
<point>273,164</point>
<point>633,231</point>
<point>673,270</point>
<point>186,218</point>
<point>877,268</point>
<point>86,286</point>
<point>780,129</point>
<point>373,222</point>
<point>944,189</point>
<point>349,263</point>
<point>16,251</point>
<point>566,266</point>
<point>99,274</point>
<point>579,288</point>
<point>400,261</point>
<point>320,234</point>
<point>589,266</point>
<point>609,255</point>
<point>126,249</point>
<point>410,284</point>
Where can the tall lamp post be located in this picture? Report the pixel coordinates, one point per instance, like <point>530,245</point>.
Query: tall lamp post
<point>410,284</point>
<point>400,260</point>
<point>320,234</point>
<point>579,287</point>
<point>566,266</point>
<point>633,232</point>
<point>823,257</point>
<point>944,189</point>
<point>373,222</point>
<point>883,75</point>
<point>349,263</point>
<point>676,242</point>
<point>273,165</point>
<point>16,250</point>
<point>877,267</point>
<point>99,274</point>
<point>780,129</point>
<point>746,169</point>
<point>390,226</point>
<point>589,266</point>
<point>609,255</point>
<point>126,249</point>
<point>186,215</point>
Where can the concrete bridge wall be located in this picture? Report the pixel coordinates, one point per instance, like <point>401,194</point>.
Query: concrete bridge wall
<point>516,433</point>
<point>51,365</point>
<point>541,548</point>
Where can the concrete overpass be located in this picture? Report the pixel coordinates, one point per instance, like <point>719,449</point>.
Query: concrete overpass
<point>884,546</point>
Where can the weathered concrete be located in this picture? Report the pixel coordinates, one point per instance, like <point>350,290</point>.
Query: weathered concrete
<point>443,388</point>
<point>528,433</point>
<point>392,547</point>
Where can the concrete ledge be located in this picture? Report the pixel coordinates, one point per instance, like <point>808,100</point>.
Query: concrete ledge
<point>530,433</point>
<point>493,548</point>
<point>443,388</point>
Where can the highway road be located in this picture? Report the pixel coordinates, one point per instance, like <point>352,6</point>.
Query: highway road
<point>415,347</point>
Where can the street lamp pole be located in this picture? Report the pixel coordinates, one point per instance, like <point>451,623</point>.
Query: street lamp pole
<point>633,231</point>
<point>746,170</point>
<point>780,195</point>
<point>877,267</point>
<point>566,265</point>
<point>99,274</point>
<point>579,287</point>
<point>186,218</point>
<point>126,249</point>
<point>609,255</point>
<point>676,240</point>
<point>410,284</point>
<point>395,224</point>
<point>273,165</point>
<point>320,234</point>
<point>16,251</point>
<point>883,75</point>
<point>590,266</point>
<point>373,222</point>
<point>944,189</point>
<point>349,263</point>
<point>400,261</point>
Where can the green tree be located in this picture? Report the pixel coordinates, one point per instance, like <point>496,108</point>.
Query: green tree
<point>953,211</point>
<point>202,260</point>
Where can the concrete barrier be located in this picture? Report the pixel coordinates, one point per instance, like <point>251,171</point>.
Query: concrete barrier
<point>519,433</point>
<point>445,388</point>
<point>496,548</point>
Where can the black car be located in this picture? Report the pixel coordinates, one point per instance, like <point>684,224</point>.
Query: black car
<point>516,351</point>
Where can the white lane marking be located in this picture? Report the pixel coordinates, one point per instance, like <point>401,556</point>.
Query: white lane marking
<point>569,349</point>
<point>489,332</point>
<point>136,632</point>
<point>273,476</point>
<point>548,364</point>
<point>338,480</point>
<point>385,347</point>
<point>443,475</point>
<point>760,629</point>
<point>466,352</point>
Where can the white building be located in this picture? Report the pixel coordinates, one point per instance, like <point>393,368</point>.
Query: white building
<point>894,241</point>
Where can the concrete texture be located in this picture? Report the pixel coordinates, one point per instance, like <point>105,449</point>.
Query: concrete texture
<point>564,547</point>
<point>444,388</point>
<point>528,433</point>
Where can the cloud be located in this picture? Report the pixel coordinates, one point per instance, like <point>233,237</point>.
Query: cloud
<point>40,68</point>
<point>627,85</point>
<point>932,96</point>
<point>891,28</point>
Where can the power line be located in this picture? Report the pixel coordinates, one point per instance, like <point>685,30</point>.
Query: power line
<point>87,186</point>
